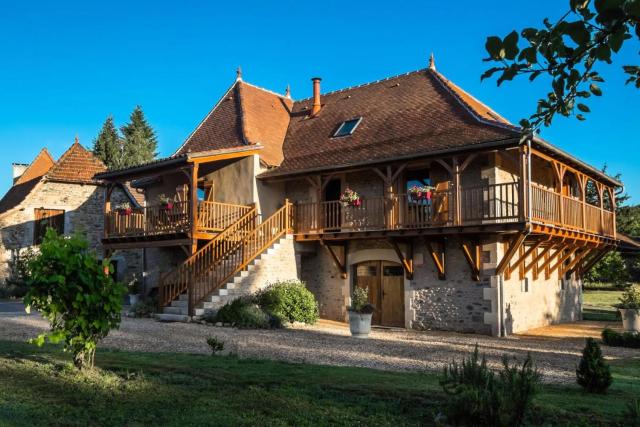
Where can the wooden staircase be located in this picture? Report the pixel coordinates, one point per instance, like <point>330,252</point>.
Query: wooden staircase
<point>188,290</point>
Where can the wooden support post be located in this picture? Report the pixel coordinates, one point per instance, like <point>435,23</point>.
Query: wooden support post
<point>406,261</point>
<point>588,265</point>
<point>457,193</point>
<point>524,255</point>
<point>473,256</point>
<point>522,172</point>
<point>340,263</point>
<point>534,262</point>
<point>576,259</point>
<point>107,208</point>
<point>389,178</point>
<point>514,247</point>
<point>438,256</point>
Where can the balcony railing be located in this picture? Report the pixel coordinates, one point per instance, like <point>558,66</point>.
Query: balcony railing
<point>550,207</point>
<point>160,220</point>
<point>479,205</point>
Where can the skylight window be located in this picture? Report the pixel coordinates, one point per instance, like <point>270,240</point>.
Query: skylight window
<point>347,128</point>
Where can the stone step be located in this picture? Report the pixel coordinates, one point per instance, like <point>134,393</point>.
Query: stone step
<point>183,297</point>
<point>164,317</point>
<point>179,303</point>
<point>175,310</point>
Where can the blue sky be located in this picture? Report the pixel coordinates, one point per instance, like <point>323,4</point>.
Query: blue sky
<point>66,66</point>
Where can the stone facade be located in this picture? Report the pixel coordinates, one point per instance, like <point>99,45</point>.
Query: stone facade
<point>83,207</point>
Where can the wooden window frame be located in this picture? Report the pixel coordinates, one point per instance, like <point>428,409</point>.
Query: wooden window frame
<point>57,222</point>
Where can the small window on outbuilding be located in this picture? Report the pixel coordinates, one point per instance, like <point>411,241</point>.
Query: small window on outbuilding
<point>44,219</point>
<point>347,127</point>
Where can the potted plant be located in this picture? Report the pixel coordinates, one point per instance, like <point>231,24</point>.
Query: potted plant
<point>420,192</point>
<point>166,202</point>
<point>360,313</point>
<point>133,288</point>
<point>124,209</point>
<point>629,308</point>
<point>350,198</point>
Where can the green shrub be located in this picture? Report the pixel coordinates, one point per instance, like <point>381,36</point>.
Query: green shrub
<point>144,308</point>
<point>593,373</point>
<point>215,344</point>
<point>603,286</point>
<point>360,301</point>
<point>631,416</point>
<point>630,298</point>
<point>243,313</point>
<point>617,339</point>
<point>75,292</point>
<point>479,397</point>
<point>289,301</point>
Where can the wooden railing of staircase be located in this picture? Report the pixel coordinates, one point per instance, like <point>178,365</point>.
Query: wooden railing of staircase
<point>224,256</point>
<point>216,216</point>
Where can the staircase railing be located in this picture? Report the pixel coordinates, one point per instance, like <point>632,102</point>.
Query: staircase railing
<point>224,256</point>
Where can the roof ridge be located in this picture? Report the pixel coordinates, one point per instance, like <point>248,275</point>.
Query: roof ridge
<point>279,95</point>
<point>365,84</point>
<point>216,105</point>
<point>443,82</point>
<point>42,152</point>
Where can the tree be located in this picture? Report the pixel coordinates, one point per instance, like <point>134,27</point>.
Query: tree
<point>568,53</point>
<point>107,145</point>
<point>593,373</point>
<point>75,292</point>
<point>612,268</point>
<point>140,142</point>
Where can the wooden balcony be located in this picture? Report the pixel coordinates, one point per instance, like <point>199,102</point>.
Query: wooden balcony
<point>161,222</point>
<point>478,206</point>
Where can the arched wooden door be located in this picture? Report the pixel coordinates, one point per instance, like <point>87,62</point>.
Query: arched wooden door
<point>385,282</point>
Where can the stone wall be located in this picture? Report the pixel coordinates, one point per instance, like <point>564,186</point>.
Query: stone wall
<point>83,206</point>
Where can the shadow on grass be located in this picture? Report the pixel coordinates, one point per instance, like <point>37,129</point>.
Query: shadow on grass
<point>600,314</point>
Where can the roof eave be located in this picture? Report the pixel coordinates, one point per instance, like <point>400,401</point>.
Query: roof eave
<point>469,148</point>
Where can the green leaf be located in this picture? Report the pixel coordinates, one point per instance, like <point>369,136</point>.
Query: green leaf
<point>595,89</point>
<point>493,46</point>
<point>603,53</point>
<point>583,108</point>
<point>578,32</point>
<point>580,117</point>
<point>489,73</point>
<point>616,39</point>
<point>510,45</point>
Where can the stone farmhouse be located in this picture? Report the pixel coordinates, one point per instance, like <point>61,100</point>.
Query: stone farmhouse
<point>62,195</point>
<point>408,186</point>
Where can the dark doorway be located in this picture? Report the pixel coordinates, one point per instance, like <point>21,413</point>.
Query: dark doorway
<point>333,190</point>
<point>331,208</point>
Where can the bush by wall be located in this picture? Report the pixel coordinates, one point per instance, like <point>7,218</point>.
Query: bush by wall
<point>617,339</point>
<point>242,313</point>
<point>289,301</point>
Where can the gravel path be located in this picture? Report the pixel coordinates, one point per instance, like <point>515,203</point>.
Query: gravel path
<point>330,344</point>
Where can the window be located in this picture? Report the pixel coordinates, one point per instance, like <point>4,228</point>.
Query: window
<point>524,285</point>
<point>348,127</point>
<point>44,219</point>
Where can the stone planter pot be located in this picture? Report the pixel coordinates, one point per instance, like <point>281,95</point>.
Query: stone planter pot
<point>133,299</point>
<point>630,319</point>
<point>360,324</point>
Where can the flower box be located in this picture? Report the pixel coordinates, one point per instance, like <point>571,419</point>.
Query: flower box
<point>350,198</point>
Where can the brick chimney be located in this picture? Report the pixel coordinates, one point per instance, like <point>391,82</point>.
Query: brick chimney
<point>315,109</point>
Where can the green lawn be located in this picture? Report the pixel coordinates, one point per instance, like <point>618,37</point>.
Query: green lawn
<point>599,305</point>
<point>38,387</point>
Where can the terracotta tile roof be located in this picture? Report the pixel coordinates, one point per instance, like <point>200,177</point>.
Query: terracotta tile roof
<point>407,115</point>
<point>77,165</point>
<point>245,115</point>
<point>27,181</point>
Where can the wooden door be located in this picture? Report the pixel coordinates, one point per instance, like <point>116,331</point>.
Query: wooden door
<point>392,285</point>
<point>385,283</point>
<point>368,277</point>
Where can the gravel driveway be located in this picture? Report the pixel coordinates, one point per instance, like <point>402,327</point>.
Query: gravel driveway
<point>331,344</point>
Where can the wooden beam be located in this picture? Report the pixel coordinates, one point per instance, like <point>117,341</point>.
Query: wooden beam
<point>537,258</point>
<point>514,246</point>
<point>472,255</point>
<point>471,157</point>
<point>593,261</point>
<point>562,259</point>
<point>406,261</point>
<point>446,166</point>
<point>526,254</point>
<point>193,194</point>
<point>340,263</point>
<point>438,257</point>
<point>578,258</point>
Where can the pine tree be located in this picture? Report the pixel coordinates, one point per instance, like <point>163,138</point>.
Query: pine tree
<point>593,373</point>
<point>107,145</point>
<point>140,142</point>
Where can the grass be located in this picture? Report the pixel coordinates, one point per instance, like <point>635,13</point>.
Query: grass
<point>38,386</point>
<point>599,305</point>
